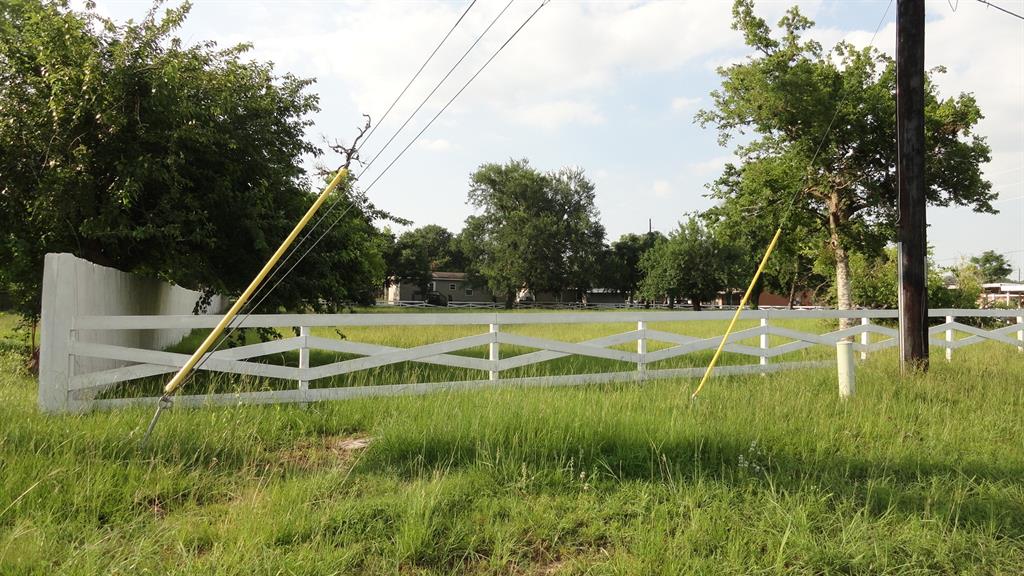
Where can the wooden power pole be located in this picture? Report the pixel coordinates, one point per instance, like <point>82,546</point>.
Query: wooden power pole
<point>913,245</point>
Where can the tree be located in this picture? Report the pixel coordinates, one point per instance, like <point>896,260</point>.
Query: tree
<point>747,228</point>
<point>876,285</point>
<point>622,264</point>
<point>120,144</point>
<point>438,246</point>
<point>824,138</point>
<point>691,263</point>
<point>992,266</point>
<point>535,231</point>
<point>417,253</point>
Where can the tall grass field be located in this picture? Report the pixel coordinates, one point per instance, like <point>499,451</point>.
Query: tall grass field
<point>761,475</point>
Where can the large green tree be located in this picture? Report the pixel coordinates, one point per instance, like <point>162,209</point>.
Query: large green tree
<point>418,252</point>
<point>993,266</point>
<point>820,134</point>
<point>538,231</point>
<point>126,147</point>
<point>692,263</point>
<point>622,262</point>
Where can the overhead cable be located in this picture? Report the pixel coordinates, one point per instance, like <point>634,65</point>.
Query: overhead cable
<point>388,167</point>
<point>415,138</point>
<point>436,86</point>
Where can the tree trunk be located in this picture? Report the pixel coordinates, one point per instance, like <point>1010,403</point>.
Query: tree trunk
<point>792,285</point>
<point>755,296</point>
<point>696,303</point>
<point>510,298</point>
<point>844,299</point>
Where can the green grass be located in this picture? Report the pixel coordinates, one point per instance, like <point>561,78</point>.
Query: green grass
<point>764,475</point>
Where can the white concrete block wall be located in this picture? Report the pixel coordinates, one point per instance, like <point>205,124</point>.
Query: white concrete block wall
<point>76,287</point>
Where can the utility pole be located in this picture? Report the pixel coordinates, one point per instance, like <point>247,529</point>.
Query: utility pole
<point>913,245</point>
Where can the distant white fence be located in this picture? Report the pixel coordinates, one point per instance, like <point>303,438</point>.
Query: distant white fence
<point>69,389</point>
<point>573,306</point>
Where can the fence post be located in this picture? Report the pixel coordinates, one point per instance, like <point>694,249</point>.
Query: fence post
<point>764,342</point>
<point>1020,334</point>
<point>949,338</point>
<point>304,333</point>
<point>846,368</point>
<point>58,310</point>
<point>641,348</point>
<point>493,353</point>
<point>865,338</point>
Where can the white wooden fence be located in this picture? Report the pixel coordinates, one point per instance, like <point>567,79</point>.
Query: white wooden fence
<point>65,388</point>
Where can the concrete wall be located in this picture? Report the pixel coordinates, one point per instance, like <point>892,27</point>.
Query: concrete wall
<point>75,287</point>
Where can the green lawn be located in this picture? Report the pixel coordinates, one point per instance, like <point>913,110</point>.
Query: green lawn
<point>769,475</point>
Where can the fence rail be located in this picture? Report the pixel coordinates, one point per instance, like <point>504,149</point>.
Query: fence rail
<point>71,389</point>
<point>570,306</point>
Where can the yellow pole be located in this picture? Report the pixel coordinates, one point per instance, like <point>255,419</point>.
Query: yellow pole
<point>179,378</point>
<point>721,345</point>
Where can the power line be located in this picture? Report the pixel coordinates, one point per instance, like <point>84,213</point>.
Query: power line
<point>262,293</point>
<point>1001,9</point>
<point>388,167</point>
<point>312,229</point>
<point>359,145</point>
<point>436,86</point>
<point>415,138</point>
<point>417,74</point>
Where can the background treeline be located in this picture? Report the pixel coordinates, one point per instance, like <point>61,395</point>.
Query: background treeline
<point>124,146</point>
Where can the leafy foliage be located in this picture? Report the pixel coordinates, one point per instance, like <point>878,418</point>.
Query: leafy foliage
<point>823,127</point>
<point>993,267</point>
<point>123,146</point>
<point>622,271</point>
<point>693,263</point>
<point>416,253</point>
<point>877,283</point>
<point>535,231</point>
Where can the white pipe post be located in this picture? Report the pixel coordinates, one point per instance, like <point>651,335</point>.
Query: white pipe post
<point>641,348</point>
<point>493,352</point>
<point>949,338</point>
<point>865,338</point>
<point>845,368</point>
<point>763,361</point>
<point>1020,334</point>
<point>304,333</point>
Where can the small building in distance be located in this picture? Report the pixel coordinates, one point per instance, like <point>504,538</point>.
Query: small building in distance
<point>451,286</point>
<point>1004,293</point>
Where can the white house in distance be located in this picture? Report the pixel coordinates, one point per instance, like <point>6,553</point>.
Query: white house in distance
<point>1002,293</point>
<point>450,285</point>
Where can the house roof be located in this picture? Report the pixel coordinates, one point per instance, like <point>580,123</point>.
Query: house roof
<point>448,275</point>
<point>1002,287</point>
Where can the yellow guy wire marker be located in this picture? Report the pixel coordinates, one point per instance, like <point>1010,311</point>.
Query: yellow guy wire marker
<point>736,316</point>
<point>179,378</point>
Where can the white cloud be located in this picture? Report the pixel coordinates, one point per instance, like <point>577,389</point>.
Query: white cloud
<point>551,115</point>
<point>438,145</point>
<point>661,189</point>
<point>710,167</point>
<point>682,104</point>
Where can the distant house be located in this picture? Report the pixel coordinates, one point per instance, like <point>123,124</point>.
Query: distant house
<point>452,286</point>
<point>1002,293</point>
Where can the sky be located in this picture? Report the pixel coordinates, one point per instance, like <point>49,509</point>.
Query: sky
<point>610,87</point>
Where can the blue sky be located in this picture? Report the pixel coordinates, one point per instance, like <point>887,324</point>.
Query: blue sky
<point>611,87</point>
